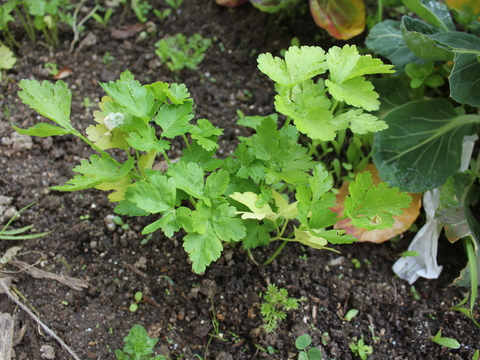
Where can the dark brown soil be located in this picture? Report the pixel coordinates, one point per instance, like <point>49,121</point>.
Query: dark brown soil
<point>178,310</point>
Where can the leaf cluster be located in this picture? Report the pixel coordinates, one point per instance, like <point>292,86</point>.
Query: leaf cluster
<point>434,128</point>
<point>269,182</point>
<point>138,346</point>
<point>178,51</point>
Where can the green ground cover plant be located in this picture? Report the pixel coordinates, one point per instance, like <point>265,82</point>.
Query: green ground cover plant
<point>179,52</point>
<point>138,346</point>
<point>270,182</point>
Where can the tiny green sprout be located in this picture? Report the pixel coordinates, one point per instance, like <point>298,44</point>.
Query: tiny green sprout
<point>325,338</point>
<point>356,263</point>
<point>110,331</point>
<point>53,68</point>
<point>414,292</point>
<point>84,217</point>
<point>360,349</point>
<point>65,303</point>
<point>87,103</point>
<point>97,326</point>
<point>350,315</point>
<point>138,296</point>
<point>303,342</point>
<point>368,262</point>
<point>118,220</point>
<point>476,355</point>
<point>445,341</point>
<point>107,58</point>
<point>84,266</point>
<point>133,307</point>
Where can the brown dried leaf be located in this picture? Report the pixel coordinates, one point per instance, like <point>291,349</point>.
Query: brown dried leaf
<point>6,335</point>
<point>402,222</point>
<point>74,283</point>
<point>127,31</point>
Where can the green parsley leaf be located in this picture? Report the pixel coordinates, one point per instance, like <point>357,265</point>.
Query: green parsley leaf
<point>359,122</point>
<point>210,227</point>
<point>346,83</point>
<point>372,207</point>
<point>190,178</point>
<point>51,100</point>
<point>145,139</point>
<point>131,95</point>
<point>299,65</point>
<point>154,195</point>
<point>175,119</point>
<point>99,170</point>
<point>205,134</point>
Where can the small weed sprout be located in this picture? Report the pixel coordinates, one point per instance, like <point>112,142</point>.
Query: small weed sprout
<point>178,51</point>
<point>303,342</point>
<point>360,349</point>
<point>138,346</point>
<point>445,341</point>
<point>276,301</point>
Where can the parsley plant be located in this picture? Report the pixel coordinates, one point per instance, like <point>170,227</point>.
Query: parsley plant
<point>271,180</point>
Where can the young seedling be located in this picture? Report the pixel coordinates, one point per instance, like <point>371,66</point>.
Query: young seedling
<point>138,346</point>
<point>275,305</point>
<point>445,341</point>
<point>138,297</point>
<point>360,349</point>
<point>350,315</point>
<point>302,343</point>
<point>178,51</point>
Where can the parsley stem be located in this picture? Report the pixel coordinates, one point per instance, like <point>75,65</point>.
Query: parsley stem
<point>186,141</point>
<point>275,254</point>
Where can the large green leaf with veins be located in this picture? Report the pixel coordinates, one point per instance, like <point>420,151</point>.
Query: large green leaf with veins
<point>386,39</point>
<point>434,12</point>
<point>423,145</point>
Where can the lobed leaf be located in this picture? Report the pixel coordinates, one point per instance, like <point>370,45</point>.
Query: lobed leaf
<point>300,64</point>
<point>131,95</point>
<point>99,170</point>
<point>50,100</point>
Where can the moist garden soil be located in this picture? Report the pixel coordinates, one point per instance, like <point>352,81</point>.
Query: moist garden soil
<point>220,309</point>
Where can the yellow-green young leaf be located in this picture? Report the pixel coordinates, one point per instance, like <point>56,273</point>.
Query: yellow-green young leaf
<point>306,238</point>
<point>7,58</point>
<point>99,170</point>
<point>249,199</point>
<point>300,64</point>
<point>288,211</point>
<point>347,83</point>
<point>343,19</point>
<point>373,206</point>
<point>359,122</point>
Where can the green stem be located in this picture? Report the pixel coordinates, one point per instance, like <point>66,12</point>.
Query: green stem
<point>186,141</point>
<point>275,254</point>
<point>334,106</point>
<point>287,121</point>
<point>313,147</point>
<point>27,24</point>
